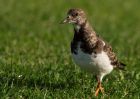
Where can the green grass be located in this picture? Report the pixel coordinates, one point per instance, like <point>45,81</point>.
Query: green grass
<point>35,59</point>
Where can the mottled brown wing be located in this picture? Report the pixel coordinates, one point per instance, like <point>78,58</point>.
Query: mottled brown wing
<point>114,61</point>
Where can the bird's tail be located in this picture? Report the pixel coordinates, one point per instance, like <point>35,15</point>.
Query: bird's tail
<point>122,66</point>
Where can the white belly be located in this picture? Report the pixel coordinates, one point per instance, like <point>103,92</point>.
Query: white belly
<point>96,64</point>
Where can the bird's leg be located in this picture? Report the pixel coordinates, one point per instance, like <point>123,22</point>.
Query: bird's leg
<point>99,88</point>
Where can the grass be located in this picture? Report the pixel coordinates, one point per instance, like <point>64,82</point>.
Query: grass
<point>35,59</point>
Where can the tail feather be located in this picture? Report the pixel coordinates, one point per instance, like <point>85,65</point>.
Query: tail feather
<point>122,66</point>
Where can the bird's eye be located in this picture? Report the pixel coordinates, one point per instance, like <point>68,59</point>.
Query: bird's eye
<point>76,14</point>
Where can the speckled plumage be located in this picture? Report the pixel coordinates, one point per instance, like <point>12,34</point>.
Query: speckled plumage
<point>91,43</point>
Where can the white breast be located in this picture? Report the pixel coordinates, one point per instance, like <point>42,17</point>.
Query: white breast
<point>96,64</point>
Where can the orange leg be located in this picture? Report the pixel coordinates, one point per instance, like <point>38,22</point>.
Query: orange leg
<point>99,88</point>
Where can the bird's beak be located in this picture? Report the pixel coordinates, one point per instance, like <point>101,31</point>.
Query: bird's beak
<point>67,20</point>
<point>64,21</point>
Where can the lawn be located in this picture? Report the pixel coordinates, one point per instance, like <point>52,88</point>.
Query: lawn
<point>35,59</point>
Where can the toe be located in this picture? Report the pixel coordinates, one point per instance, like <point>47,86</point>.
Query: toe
<point>102,89</point>
<point>97,92</point>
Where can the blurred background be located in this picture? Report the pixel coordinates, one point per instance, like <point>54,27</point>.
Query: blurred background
<point>35,60</point>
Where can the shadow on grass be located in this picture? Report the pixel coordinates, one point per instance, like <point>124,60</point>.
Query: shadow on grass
<point>36,83</point>
<point>41,77</point>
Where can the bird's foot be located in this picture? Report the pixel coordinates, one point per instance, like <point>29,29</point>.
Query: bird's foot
<point>98,90</point>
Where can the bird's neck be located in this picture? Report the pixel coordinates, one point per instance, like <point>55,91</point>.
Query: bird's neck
<point>84,30</point>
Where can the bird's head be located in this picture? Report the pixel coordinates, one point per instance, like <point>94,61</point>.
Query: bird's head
<point>75,16</point>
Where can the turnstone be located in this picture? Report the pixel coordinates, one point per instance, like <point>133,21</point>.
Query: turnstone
<point>88,50</point>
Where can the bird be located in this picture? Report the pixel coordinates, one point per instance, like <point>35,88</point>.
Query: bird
<point>89,50</point>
